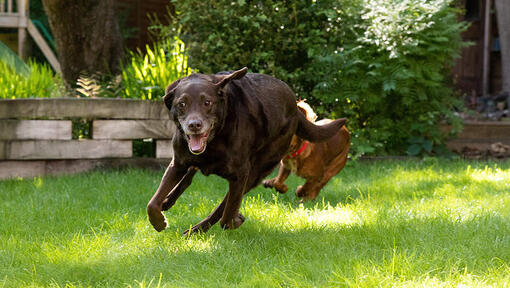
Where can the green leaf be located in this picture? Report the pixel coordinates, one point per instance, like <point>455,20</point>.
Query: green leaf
<point>414,149</point>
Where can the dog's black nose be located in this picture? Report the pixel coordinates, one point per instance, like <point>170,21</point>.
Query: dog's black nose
<point>195,125</point>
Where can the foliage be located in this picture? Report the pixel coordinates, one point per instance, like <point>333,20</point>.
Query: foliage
<point>379,224</point>
<point>99,85</point>
<point>383,64</point>
<point>40,82</point>
<point>146,76</point>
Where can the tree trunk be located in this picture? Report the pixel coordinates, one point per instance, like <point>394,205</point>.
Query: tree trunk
<point>87,36</point>
<point>503,17</point>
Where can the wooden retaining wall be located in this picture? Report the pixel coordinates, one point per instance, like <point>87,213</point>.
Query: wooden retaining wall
<point>36,135</point>
<point>480,135</point>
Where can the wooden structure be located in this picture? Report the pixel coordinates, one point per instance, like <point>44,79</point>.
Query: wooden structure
<point>36,134</point>
<point>478,71</point>
<point>16,16</point>
<point>479,135</point>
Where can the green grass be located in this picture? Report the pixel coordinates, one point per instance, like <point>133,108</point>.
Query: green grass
<point>432,223</point>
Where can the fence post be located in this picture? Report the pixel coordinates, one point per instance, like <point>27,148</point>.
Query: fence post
<point>22,25</point>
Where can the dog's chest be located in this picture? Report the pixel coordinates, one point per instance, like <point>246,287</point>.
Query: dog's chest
<point>292,164</point>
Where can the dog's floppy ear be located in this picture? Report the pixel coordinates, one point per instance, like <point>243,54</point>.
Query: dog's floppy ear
<point>170,93</point>
<point>225,79</point>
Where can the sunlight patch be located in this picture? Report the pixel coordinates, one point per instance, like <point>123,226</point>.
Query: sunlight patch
<point>488,174</point>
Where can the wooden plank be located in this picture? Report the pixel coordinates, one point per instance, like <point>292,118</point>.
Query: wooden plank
<point>35,129</point>
<point>65,149</point>
<point>34,168</point>
<point>458,145</point>
<point>21,169</point>
<point>89,108</point>
<point>132,129</point>
<point>486,47</point>
<point>164,149</point>
<point>9,21</point>
<point>485,130</point>
<point>39,40</point>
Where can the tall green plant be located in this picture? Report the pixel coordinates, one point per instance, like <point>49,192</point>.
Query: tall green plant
<point>39,83</point>
<point>146,76</point>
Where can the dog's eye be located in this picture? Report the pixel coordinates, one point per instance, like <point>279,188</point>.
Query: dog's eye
<point>207,103</point>
<point>181,104</point>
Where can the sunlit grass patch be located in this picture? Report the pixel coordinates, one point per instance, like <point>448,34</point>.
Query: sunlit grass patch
<point>390,224</point>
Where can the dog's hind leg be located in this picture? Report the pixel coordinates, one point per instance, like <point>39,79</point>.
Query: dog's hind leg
<point>231,218</point>
<point>208,221</point>
<point>309,190</point>
<point>312,187</point>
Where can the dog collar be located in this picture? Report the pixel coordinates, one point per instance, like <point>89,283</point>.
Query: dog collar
<point>303,147</point>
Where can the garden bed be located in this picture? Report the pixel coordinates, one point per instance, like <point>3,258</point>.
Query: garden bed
<point>479,139</point>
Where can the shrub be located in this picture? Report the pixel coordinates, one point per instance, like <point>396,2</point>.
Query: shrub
<point>383,64</point>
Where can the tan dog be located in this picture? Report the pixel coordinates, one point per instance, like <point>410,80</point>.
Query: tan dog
<point>316,162</point>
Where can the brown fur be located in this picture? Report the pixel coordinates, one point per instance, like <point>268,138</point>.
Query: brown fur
<point>317,163</point>
<point>234,125</point>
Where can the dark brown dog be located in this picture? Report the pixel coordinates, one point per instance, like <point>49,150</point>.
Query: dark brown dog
<point>316,162</point>
<point>234,125</point>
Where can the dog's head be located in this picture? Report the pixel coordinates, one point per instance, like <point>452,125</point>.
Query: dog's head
<point>197,104</point>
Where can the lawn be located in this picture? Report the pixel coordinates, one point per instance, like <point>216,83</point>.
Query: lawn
<point>419,223</point>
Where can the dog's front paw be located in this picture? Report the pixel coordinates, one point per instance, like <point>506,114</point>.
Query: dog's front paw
<point>234,223</point>
<point>281,188</point>
<point>156,218</point>
<point>306,194</point>
<point>269,183</point>
<point>300,192</point>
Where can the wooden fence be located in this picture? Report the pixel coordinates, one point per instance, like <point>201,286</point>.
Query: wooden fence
<point>36,135</point>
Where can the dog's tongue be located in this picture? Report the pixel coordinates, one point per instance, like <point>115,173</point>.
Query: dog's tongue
<point>195,142</point>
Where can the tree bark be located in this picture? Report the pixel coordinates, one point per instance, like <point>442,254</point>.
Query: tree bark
<point>503,18</point>
<point>87,35</point>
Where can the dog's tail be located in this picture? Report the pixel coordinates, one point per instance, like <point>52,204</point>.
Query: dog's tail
<point>315,133</point>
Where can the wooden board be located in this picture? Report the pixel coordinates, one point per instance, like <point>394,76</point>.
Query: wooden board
<point>164,149</point>
<point>39,40</point>
<point>89,108</point>
<point>34,168</point>
<point>132,129</point>
<point>458,145</point>
<point>65,149</point>
<point>35,129</point>
<point>485,130</point>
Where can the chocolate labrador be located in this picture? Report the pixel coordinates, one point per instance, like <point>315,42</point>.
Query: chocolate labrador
<point>235,125</point>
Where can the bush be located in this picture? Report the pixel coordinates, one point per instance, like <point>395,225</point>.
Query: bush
<point>383,64</point>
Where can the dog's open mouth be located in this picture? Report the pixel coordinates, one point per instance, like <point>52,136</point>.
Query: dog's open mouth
<point>197,142</point>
